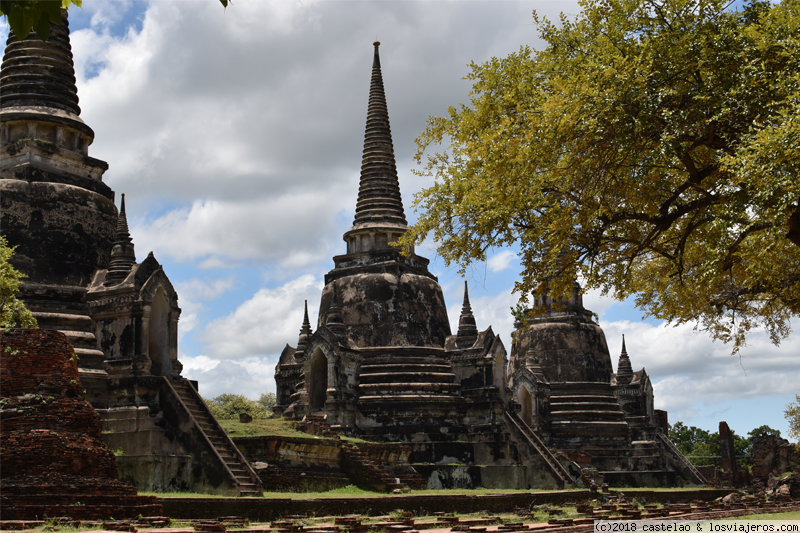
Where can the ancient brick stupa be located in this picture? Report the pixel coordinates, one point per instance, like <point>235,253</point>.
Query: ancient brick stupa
<point>562,378</point>
<point>379,362</point>
<point>83,280</point>
<point>382,363</point>
<point>54,462</point>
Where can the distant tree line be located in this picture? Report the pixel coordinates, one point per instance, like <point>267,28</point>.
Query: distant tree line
<point>702,447</point>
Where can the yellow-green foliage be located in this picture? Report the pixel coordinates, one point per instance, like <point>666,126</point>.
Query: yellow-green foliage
<point>228,406</point>
<point>650,146</point>
<point>792,413</point>
<point>13,313</point>
<point>277,427</point>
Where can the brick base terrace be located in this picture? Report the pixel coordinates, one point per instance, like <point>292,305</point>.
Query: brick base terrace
<point>54,462</point>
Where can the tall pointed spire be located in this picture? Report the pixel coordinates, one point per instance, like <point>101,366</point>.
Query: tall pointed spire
<point>467,329</point>
<point>305,334</point>
<point>624,370</point>
<point>123,256</point>
<point>39,73</point>
<point>379,218</point>
<point>37,87</point>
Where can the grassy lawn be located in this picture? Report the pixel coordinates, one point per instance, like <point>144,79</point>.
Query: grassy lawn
<point>351,491</point>
<point>771,516</point>
<point>277,427</point>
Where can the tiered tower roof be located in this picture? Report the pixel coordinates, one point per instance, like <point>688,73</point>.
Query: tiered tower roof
<point>37,82</point>
<point>123,256</point>
<point>467,328</point>
<point>379,210</point>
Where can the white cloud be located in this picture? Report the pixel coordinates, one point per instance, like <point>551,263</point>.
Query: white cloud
<point>501,261</point>
<point>264,324</point>
<point>250,377</point>
<point>689,369</point>
<point>200,363</point>
<point>265,229</point>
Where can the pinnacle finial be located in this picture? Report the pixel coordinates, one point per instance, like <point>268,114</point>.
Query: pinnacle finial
<point>467,329</point>
<point>624,369</point>
<point>123,235</point>
<point>379,209</point>
<point>40,74</point>
<point>305,334</point>
<point>123,256</point>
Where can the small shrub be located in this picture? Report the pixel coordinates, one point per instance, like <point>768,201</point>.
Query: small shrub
<point>228,406</point>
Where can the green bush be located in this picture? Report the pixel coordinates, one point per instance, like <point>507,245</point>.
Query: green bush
<point>228,407</point>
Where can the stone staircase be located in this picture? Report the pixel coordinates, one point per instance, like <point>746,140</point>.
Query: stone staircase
<point>78,329</point>
<point>366,474</point>
<point>237,466</point>
<point>580,410</point>
<point>529,436</point>
<point>397,375</point>
<point>403,392</point>
<point>687,465</point>
<point>360,469</point>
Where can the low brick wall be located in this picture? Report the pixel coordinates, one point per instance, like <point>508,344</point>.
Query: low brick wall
<point>264,509</point>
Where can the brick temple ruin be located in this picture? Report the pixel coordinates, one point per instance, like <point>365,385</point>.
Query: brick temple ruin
<point>55,462</point>
<point>383,365</point>
<point>83,280</point>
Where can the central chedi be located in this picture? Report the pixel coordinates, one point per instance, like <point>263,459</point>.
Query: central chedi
<point>383,362</point>
<point>383,365</point>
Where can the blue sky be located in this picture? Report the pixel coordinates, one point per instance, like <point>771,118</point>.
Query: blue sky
<point>236,135</point>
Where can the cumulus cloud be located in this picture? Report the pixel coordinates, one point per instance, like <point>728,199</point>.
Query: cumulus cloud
<point>265,323</point>
<point>238,133</point>
<point>501,261</point>
<point>250,377</point>
<point>688,368</point>
<point>237,136</point>
<point>265,229</point>
<point>192,293</point>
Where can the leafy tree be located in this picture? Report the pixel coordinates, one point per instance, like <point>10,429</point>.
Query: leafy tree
<point>700,446</point>
<point>651,147</point>
<point>228,406</point>
<point>703,447</point>
<point>686,438</point>
<point>25,16</point>
<point>763,430</point>
<point>267,400</point>
<point>792,413</point>
<point>13,312</point>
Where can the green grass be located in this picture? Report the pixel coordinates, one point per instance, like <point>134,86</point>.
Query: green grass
<point>794,515</point>
<point>277,427</point>
<point>180,494</point>
<point>351,491</point>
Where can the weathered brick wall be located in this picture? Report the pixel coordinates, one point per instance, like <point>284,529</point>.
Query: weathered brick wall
<point>54,461</point>
<point>37,360</point>
<point>774,455</point>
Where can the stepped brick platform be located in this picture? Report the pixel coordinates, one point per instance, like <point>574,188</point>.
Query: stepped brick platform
<point>54,462</point>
